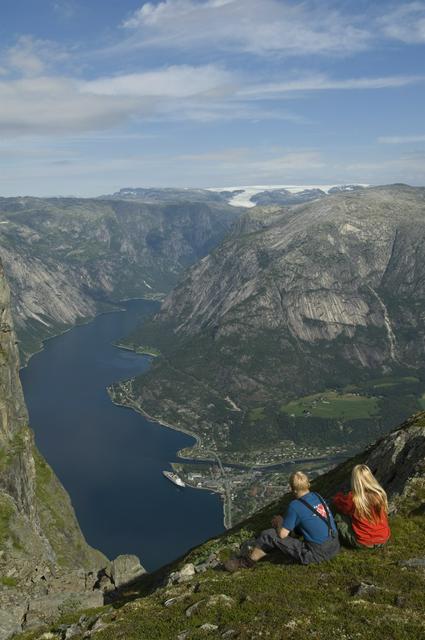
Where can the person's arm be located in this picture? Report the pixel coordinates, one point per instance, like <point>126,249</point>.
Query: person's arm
<point>281,531</point>
<point>289,522</point>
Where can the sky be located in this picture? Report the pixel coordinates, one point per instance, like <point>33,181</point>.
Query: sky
<point>97,95</point>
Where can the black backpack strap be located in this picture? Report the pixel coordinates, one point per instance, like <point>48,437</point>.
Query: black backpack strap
<point>326,520</point>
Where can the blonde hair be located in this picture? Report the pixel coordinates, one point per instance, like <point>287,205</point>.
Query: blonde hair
<point>369,498</point>
<point>299,481</point>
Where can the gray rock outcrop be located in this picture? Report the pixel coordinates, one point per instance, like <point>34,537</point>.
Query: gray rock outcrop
<point>41,544</point>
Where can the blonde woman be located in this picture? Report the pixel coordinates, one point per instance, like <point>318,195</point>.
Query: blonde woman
<point>362,520</point>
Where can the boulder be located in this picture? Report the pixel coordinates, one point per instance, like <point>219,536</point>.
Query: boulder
<point>125,569</point>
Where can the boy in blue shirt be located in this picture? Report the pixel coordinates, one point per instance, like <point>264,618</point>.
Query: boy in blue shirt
<point>309,516</point>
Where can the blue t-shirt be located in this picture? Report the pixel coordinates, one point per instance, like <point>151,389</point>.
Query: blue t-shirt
<point>308,524</point>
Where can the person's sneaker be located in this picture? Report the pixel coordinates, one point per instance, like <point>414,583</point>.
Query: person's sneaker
<point>234,564</point>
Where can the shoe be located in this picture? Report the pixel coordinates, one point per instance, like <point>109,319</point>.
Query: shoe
<point>234,564</point>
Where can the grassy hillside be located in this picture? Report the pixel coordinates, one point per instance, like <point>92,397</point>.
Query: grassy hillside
<point>365,594</point>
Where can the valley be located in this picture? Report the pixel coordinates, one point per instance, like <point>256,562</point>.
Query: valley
<point>300,336</point>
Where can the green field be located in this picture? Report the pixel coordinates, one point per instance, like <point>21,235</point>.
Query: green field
<point>331,404</point>
<point>256,414</point>
<point>383,383</point>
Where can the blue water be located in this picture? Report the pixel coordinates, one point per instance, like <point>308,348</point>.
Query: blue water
<point>110,459</point>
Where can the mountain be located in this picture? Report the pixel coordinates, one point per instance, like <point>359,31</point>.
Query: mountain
<point>169,195</point>
<point>40,539</point>
<point>368,594</point>
<point>68,258</point>
<point>302,334</point>
<point>250,196</point>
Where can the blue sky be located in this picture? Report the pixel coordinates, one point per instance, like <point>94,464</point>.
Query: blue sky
<point>98,95</point>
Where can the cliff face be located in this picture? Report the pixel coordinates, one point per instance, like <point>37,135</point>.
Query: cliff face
<point>315,297</point>
<point>39,534</point>
<point>69,258</point>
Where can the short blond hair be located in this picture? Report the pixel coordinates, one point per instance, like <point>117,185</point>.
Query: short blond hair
<point>299,481</point>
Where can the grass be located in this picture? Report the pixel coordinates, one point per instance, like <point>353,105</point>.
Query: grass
<point>8,581</point>
<point>280,601</point>
<point>256,414</point>
<point>6,512</point>
<point>422,401</point>
<point>331,404</point>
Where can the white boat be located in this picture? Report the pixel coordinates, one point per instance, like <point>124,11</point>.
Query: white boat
<point>174,478</point>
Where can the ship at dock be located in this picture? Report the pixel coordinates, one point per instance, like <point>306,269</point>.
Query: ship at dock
<point>174,478</point>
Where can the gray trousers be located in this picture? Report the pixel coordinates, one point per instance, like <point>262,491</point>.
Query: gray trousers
<point>300,551</point>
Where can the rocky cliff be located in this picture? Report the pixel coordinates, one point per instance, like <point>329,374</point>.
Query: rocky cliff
<point>368,594</point>
<point>326,298</point>
<point>67,258</point>
<point>39,534</point>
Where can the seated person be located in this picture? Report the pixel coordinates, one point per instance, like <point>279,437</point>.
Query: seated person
<point>308,515</point>
<point>362,520</point>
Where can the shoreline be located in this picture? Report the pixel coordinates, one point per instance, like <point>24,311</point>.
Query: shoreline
<point>85,320</point>
<point>135,407</point>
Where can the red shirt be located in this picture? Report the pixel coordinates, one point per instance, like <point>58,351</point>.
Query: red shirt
<point>367,533</point>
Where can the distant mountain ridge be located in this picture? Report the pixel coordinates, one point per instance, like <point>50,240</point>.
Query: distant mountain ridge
<point>244,196</point>
<point>69,258</point>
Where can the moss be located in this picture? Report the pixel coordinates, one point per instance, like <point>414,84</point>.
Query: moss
<point>6,513</point>
<point>7,581</point>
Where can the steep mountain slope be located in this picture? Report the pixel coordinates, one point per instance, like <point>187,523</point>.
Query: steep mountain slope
<point>326,298</point>
<point>368,594</point>
<point>68,258</point>
<point>39,533</point>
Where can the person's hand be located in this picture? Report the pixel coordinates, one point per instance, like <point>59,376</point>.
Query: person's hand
<point>277,522</point>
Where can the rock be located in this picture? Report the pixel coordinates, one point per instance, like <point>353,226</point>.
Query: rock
<point>220,599</point>
<point>399,601</point>
<point>125,569</point>
<point>183,635</point>
<point>185,574</point>
<point>10,621</point>
<point>414,563</point>
<point>99,625</point>
<point>47,609</point>
<point>194,607</point>
<point>230,633</point>
<point>209,627</point>
<point>187,571</point>
<point>72,631</point>
<point>87,622</point>
<point>104,583</point>
<point>364,589</point>
<point>171,601</point>
<point>200,568</point>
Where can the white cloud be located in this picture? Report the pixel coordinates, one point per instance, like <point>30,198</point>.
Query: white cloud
<point>405,23</point>
<point>31,57</point>
<point>53,104</point>
<point>64,8</point>
<point>24,57</point>
<point>269,26</point>
<point>401,139</point>
<point>321,83</point>
<point>174,82</point>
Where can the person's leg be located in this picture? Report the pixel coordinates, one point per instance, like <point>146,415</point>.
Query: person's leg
<point>265,542</point>
<point>256,554</point>
<point>345,530</point>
